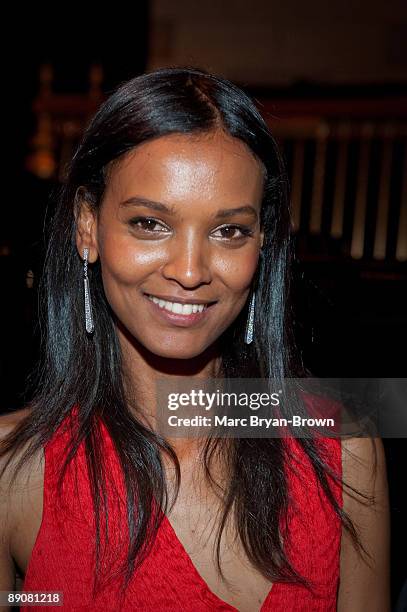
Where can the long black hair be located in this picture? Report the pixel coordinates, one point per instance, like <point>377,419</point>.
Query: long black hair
<point>87,371</point>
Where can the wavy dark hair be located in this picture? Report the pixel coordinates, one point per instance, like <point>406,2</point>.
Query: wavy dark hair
<point>167,101</point>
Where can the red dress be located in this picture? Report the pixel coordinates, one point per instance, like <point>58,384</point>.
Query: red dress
<point>63,557</point>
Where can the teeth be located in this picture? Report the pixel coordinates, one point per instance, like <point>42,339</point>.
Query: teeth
<point>176,307</point>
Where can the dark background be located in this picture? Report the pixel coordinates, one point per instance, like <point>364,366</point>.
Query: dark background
<point>351,315</point>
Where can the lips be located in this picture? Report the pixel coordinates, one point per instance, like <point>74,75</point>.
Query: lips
<point>180,300</point>
<point>178,307</point>
<point>179,312</point>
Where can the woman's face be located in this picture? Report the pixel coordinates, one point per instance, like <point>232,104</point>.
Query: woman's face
<point>178,237</point>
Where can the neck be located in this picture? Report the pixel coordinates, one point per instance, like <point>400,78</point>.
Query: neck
<point>142,369</point>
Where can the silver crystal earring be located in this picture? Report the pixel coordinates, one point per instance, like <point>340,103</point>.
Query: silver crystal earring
<point>250,321</point>
<point>88,304</point>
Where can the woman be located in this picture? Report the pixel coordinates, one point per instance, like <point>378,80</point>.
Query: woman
<point>169,257</point>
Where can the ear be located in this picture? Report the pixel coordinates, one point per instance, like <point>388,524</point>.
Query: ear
<point>86,227</point>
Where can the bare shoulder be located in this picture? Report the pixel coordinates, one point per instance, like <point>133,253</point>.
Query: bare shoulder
<point>13,490</point>
<point>10,496</point>
<point>364,582</point>
<point>20,499</point>
<point>362,457</point>
<point>31,471</point>
<point>10,420</point>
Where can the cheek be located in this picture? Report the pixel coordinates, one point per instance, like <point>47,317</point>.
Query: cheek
<point>124,263</point>
<point>237,272</point>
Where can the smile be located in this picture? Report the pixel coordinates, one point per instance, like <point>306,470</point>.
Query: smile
<point>177,307</point>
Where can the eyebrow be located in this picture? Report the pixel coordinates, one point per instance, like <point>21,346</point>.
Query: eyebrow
<point>223,213</point>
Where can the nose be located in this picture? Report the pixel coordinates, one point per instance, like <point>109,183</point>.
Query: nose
<point>188,263</point>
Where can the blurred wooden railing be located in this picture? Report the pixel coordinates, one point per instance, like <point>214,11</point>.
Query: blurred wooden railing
<point>61,119</point>
<point>347,162</point>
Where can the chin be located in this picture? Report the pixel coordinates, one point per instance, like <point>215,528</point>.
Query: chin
<point>176,352</point>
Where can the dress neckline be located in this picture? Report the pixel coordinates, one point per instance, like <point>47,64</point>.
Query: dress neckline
<point>210,595</point>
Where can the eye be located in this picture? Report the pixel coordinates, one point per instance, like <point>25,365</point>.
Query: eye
<point>148,225</point>
<point>233,232</point>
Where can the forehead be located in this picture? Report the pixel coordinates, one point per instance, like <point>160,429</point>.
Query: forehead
<point>185,167</point>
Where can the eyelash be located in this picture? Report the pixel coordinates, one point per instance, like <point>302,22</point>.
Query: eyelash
<point>245,231</point>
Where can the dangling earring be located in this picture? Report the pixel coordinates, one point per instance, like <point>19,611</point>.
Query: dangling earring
<point>88,304</point>
<point>250,321</point>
